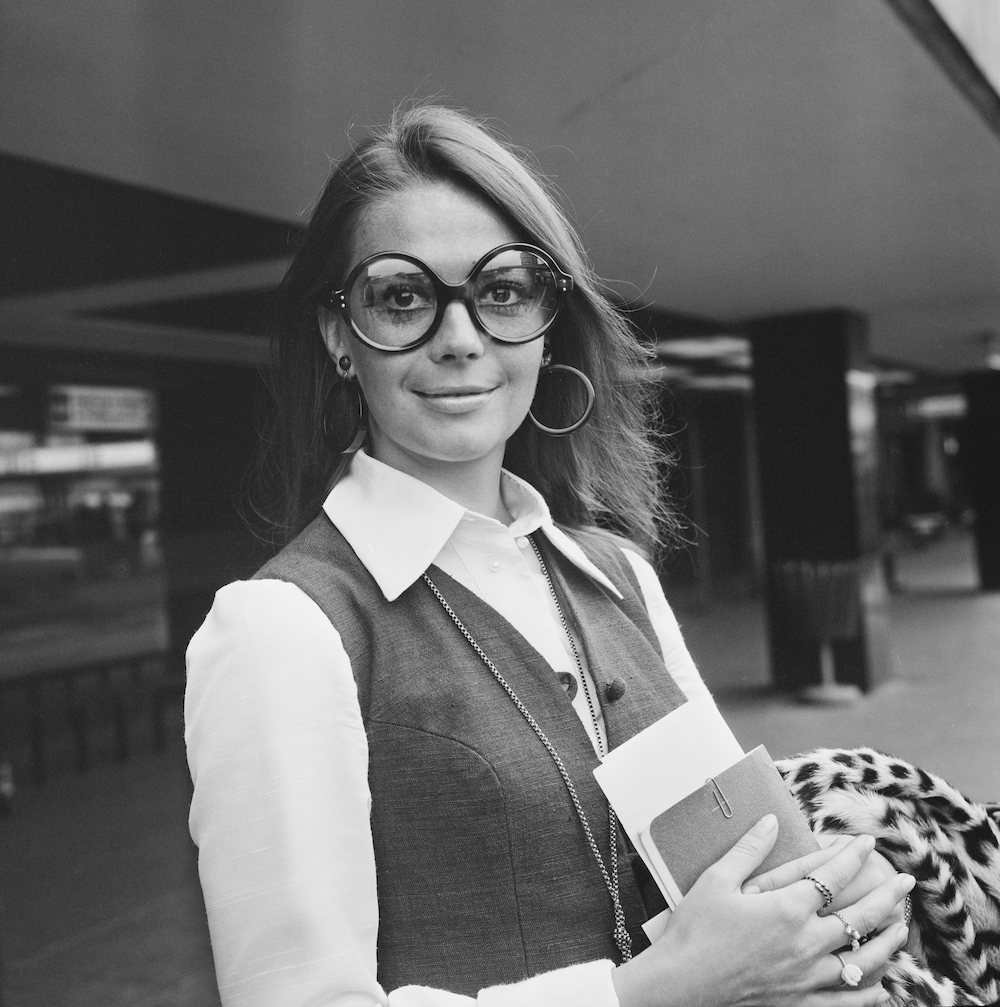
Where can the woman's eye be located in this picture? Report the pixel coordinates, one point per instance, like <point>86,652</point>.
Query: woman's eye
<point>503,294</point>
<point>405,297</point>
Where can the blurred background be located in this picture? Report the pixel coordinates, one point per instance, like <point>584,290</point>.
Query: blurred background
<point>797,200</point>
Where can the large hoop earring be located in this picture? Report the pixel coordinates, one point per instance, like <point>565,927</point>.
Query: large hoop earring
<point>553,372</point>
<point>333,409</point>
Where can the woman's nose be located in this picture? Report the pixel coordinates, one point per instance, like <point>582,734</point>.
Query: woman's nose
<point>457,338</point>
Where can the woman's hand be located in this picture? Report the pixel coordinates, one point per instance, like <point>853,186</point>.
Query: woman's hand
<point>722,947</point>
<point>874,871</point>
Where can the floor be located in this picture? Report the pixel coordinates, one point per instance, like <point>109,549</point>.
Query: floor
<point>101,906</point>
<point>99,903</point>
<point>940,710</point>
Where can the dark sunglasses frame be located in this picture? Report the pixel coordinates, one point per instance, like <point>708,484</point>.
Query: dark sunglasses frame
<point>448,292</point>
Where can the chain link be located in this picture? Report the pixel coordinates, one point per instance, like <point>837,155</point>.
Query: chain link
<point>621,935</point>
<point>572,646</point>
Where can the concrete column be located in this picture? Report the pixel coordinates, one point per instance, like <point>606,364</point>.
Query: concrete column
<point>818,461</point>
<point>981,458</point>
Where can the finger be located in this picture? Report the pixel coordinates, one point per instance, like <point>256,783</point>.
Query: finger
<point>836,841</point>
<point>795,870</point>
<point>867,914</point>
<point>875,870</point>
<point>869,959</point>
<point>838,872</point>
<point>874,996</point>
<point>896,917</point>
<point>863,969</point>
<point>876,952</point>
<point>747,854</point>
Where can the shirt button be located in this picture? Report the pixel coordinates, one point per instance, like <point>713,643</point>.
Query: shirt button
<point>495,565</point>
<point>523,542</point>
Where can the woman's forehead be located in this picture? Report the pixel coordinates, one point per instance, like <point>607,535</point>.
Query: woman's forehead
<point>448,228</point>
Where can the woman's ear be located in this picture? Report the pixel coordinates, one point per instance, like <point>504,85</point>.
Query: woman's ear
<point>331,327</point>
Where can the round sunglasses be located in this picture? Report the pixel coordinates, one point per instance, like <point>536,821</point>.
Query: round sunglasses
<point>395,302</point>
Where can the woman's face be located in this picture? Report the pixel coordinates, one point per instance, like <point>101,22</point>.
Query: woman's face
<point>456,399</point>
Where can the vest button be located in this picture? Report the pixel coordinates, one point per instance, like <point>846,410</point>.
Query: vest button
<point>614,690</point>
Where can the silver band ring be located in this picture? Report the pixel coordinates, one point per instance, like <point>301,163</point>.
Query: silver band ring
<point>853,934</point>
<point>822,889</point>
<point>850,975</point>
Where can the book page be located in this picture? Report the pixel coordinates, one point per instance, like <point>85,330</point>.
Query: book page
<point>664,763</point>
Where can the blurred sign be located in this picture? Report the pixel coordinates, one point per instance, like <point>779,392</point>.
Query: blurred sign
<point>938,407</point>
<point>16,497</point>
<point>62,458</point>
<point>94,408</point>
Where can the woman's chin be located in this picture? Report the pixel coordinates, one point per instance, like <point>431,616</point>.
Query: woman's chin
<point>449,449</point>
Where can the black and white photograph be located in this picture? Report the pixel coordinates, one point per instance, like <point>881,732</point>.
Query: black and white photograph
<point>499,503</point>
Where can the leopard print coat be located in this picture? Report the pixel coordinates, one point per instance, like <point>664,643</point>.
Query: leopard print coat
<point>926,828</point>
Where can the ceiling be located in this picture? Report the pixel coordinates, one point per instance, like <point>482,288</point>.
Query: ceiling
<point>724,159</point>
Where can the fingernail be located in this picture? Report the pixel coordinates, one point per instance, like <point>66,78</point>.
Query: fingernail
<point>751,890</point>
<point>901,935</point>
<point>765,826</point>
<point>882,998</point>
<point>868,843</point>
<point>910,881</point>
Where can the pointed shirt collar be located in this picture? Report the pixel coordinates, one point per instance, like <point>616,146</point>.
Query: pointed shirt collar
<point>397,524</point>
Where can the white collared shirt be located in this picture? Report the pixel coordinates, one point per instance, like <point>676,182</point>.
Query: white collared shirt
<point>279,755</point>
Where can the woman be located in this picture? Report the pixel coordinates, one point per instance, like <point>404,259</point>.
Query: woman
<point>392,727</point>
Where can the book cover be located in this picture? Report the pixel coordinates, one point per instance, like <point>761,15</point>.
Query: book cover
<point>699,829</point>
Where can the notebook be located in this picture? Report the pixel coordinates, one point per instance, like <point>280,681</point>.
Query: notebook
<point>696,831</point>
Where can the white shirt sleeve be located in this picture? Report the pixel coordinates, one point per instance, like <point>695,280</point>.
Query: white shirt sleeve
<point>280,814</point>
<point>675,653</point>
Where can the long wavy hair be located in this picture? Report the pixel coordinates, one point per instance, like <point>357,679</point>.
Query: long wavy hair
<point>608,474</point>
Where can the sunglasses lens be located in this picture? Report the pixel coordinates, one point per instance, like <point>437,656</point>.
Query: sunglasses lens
<point>516,295</point>
<point>392,302</point>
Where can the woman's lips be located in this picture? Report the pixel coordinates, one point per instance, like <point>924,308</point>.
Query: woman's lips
<point>456,400</point>
<point>451,392</point>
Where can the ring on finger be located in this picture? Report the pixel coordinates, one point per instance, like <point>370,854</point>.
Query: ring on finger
<point>850,974</point>
<point>822,889</point>
<point>853,935</point>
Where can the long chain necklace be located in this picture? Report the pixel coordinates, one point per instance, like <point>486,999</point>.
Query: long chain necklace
<point>620,932</point>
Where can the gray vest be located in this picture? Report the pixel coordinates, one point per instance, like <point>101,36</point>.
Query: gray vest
<point>484,873</point>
